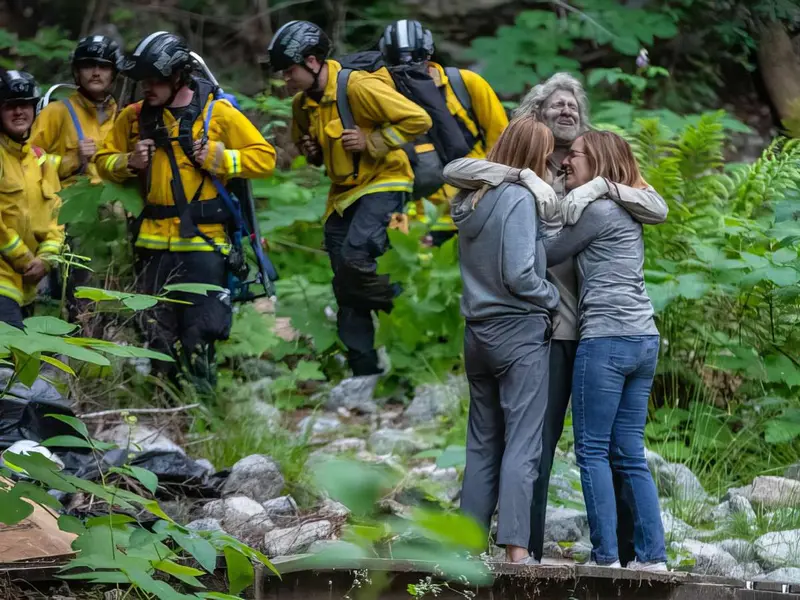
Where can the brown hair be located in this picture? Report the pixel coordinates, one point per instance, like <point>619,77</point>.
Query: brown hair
<point>524,144</point>
<point>610,156</point>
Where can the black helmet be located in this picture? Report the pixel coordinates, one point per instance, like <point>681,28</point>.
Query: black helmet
<point>296,40</point>
<point>158,56</point>
<point>406,41</point>
<point>19,86</point>
<point>97,49</point>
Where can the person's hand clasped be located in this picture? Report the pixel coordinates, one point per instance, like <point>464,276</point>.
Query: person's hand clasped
<point>87,149</point>
<point>354,140</point>
<point>35,271</point>
<point>140,157</point>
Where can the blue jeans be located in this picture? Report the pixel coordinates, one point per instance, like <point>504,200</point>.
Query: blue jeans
<point>610,391</point>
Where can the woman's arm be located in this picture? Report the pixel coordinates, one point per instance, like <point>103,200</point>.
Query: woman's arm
<point>574,239</point>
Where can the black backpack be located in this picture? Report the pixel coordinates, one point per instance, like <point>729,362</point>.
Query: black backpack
<point>447,140</point>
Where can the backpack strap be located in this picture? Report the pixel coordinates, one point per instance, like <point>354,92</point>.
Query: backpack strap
<point>75,122</point>
<point>345,112</point>
<point>462,94</point>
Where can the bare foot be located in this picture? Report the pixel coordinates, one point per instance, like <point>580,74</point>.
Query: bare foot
<point>516,554</point>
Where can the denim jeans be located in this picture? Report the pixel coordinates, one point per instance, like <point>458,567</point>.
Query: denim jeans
<point>611,387</point>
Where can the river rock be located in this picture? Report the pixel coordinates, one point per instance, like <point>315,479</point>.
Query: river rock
<point>793,472</point>
<point>741,506</point>
<point>747,571</point>
<point>436,400</point>
<point>295,540</point>
<point>786,575</point>
<point>654,462</point>
<point>345,445</point>
<point>319,425</point>
<point>446,480</point>
<point>240,516</point>
<point>775,492</point>
<point>565,524</point>
<point>354,394</point>
<point>207,465</point>
<point>674,528</point>
<point>139,437</point>
<point>333,510</point>
<point>742,550</point>
<point>709,558</point>
<point>678,482</point>
<point>259,411</point>
<point>745,492</point>
<point>255,369</point>
<point>402,442</point>
<point>257,477</point>
<point>206,524</point>
<point>721,512</point>
<point>284,506</point>
<point>779,549</point>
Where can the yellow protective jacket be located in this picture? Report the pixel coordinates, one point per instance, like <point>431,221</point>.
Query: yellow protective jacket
<point>236,148</point>
<point>55,132</point>
<point>388,119</point>
<point>489,113</point>
<point>29,207</point>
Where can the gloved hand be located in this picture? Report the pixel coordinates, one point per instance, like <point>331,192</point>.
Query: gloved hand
<point>574,203</point>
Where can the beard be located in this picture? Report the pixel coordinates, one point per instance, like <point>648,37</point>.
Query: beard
<point>565,134</point>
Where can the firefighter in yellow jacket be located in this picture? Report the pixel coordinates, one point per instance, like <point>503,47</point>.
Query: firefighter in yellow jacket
<point>29,231</point>
<point>371,177</point>
<point>469,98</point>
<point>181,142</point>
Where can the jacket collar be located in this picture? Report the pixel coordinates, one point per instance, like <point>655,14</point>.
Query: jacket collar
<point>17,149</point>
<point>437,73</point>
<point>108,106</point>
<point>329,93</point>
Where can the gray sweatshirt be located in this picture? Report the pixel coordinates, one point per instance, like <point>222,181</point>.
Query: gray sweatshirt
<point>609,249</point>
<point>501,257</point>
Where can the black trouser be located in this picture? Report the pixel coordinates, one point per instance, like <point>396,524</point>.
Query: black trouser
<point>186,332</point>
<point>12,313</point>
<point>562,359</point>
<point>439,237</point>
<point>507,362</point>
<point>354,241</point>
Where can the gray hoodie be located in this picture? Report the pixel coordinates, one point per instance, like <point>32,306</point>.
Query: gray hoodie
<point>502,259</point>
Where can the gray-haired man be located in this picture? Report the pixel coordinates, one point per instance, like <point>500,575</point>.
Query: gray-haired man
<point>561,103</point>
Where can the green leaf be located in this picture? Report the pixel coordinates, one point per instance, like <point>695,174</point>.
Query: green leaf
<point>67,441</point>
<point>112,520</point>
<point>181,572</point>
<point>24,489</point>
<point>26,367</point>
<point>140,302</point>
<point>193,288</point>
<point>147,478</point>
<point>13,509</point>
<point>781,431</point>
<point>71,525</point>
<point>452,529</point>
<point>453,456</point>
<point>108,577</point>
<point>57,364</point>
<point>217,596</point>
<point>240,570</point>
<point>73,422</point>
<point>48,326</point>
<point>200,548</point>
<point>306,371</point>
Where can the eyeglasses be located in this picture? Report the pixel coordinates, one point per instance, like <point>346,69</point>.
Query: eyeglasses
<point>573,153</point>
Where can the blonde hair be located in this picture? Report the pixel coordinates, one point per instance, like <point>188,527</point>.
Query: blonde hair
<point>610,156</point>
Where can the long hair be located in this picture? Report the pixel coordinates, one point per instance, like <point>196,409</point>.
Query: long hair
<point>524,144</point>
<point>533,102</point>
<point>610,156</point>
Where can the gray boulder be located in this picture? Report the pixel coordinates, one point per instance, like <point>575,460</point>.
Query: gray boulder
<point>206,524</point>
<point>445,481</point>
<point>779,549</point>
<point>793,472</point>
<point>775,492</point>
<point>319,425</point>
<point>742,550</point>
<point>674,528</point>
<point>790,575</point>
<point>744,492</point>
<point>402,442</point>
<point>747,571</point>
<point>333,510</point>
<point>436,400</point>
<point>207,465</point>
<point>259,411</point>
<point>654,462</point>
<point>721,512</point>
<point>709,558</point>
<point>257,477</point>
<point>354,394</point>
<point>139,437</point>
<point>295,540</point>
<point>678,482</point>
<point>741,506</point>
<point>284,506</point>
<point>345,445</point>
<point>565,524</point>
<point>240,516</point>
<point>255,369</point>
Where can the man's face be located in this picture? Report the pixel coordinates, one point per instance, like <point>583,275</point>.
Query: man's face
<point>17,118</point>
<point>157,92</point>
<point>95,78</point>
<point>560,113</point>
<point>298,78</point>
<point>576,165</point>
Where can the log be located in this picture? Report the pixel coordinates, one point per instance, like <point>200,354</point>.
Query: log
<point>780,68</point>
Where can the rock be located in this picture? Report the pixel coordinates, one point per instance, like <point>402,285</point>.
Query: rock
<point>741,506</point>
<point>580,552</point>
<point>775,492</point>
<point>206,524</point>
<point>655,462</point>
<point>139,437</point>
<point>744,491</point>
<point>319,425</point>
<point>779,549</point>
<point>240,516</point>
<point>791,575</point>
<point>355,394</point>
<point>294,540</point>
<point>179,511</point>
<point>395,441</point>
<point>565,524</point>
<point>677,481</point>
<point>674,528</point>
<point>284,506</point>
<point>445,480</point>
<point>393,507</point>
<point>436,400</point>
<point>346,445</point>
<point>721,512</point>
<point>257,477</point>
<point>255,369</point>
<point>207,465</point>
<point>742,550</point>
<point>334,510</point>
<point>793,472</point>
<point>747,571</point>
<point>709,558</point>
<point>254,409</point>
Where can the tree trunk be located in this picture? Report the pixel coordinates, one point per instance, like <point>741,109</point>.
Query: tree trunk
<point>780,68</point>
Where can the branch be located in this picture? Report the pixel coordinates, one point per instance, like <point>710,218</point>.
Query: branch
<point>138,411</point>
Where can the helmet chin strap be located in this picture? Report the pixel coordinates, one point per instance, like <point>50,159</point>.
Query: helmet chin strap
<point>314,86</point>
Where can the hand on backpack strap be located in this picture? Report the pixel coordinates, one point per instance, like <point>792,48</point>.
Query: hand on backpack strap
<point>354,140</point>
<point>376,145</point>
<point>212,157</point>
